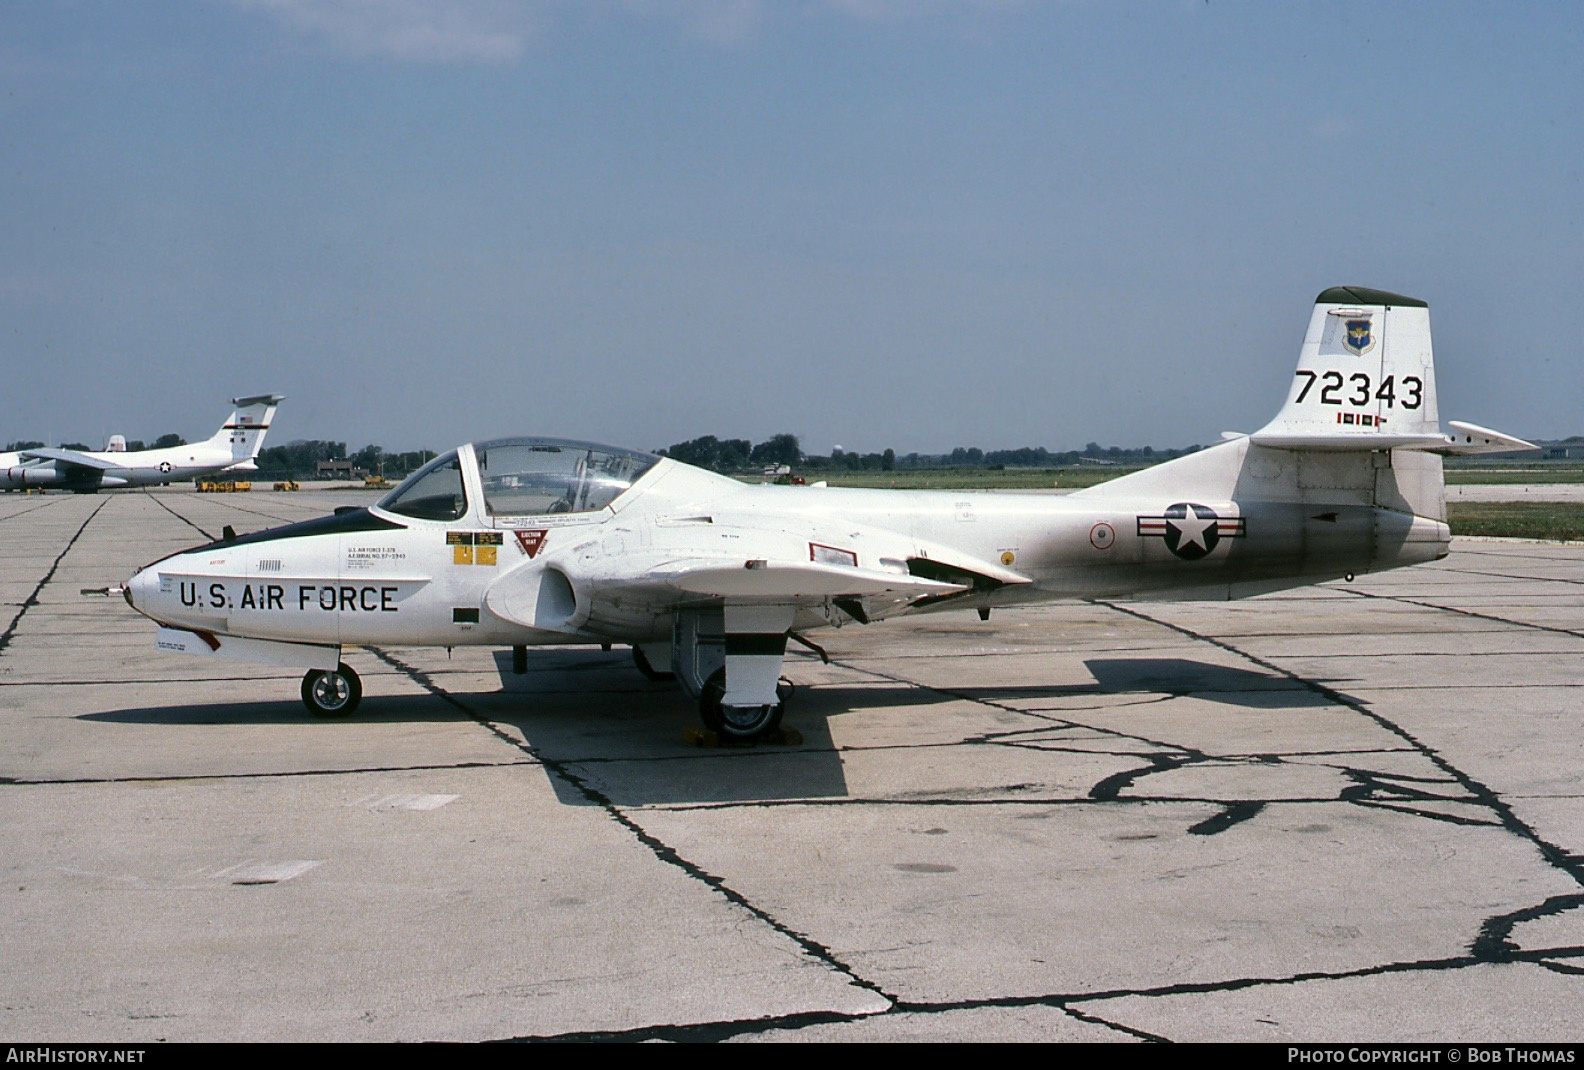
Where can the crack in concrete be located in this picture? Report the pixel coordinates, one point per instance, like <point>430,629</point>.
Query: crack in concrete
<point>46,782</point>
<point>716,1032</point>
<point>1494,943</point>
<point>1471,613</point>
<point>32,599</point>
<point>25,512</point>
<point>1068,1002</point>
<point>234,507</point>
<point>155,499</point>
<point>662,851</point>
<point>1491,944</point>
<point>1373,789</point>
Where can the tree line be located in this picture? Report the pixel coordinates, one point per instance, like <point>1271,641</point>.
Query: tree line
<point>300,459</point>
<point>739,455</point>
<point>163,442</point>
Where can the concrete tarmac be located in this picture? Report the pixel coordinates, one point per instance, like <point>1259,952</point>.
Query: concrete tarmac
<point>1344,813</point>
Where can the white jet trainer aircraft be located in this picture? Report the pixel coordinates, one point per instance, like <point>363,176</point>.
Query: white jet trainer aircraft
<point>231,449</point>
<point>532,541</point>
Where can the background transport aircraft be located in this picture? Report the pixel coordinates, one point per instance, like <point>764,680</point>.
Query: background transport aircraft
<point>535,541</point>
<point>231,449</point>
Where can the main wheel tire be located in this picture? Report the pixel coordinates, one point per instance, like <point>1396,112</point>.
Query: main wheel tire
<point>641,660</point>
<point>741,724</point>
<point>332,693</point>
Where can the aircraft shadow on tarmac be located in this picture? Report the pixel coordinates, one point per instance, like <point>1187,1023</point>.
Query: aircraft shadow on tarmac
<point>606,735</point>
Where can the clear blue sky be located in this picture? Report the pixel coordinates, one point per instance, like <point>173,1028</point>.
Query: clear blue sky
<point>868,222</point>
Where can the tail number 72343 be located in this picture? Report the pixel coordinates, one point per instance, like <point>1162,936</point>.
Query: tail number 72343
<point>1360,389</point>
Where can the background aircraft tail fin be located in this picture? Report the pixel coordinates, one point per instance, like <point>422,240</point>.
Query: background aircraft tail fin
<point>244,429</point>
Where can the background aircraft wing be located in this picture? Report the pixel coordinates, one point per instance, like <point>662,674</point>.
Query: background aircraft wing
<point>69,457</point>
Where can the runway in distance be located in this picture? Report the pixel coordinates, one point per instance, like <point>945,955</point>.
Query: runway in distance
<point>536,541</point>
<point>232,449</point>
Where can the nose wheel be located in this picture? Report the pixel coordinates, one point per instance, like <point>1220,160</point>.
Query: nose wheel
<point>333,692</point>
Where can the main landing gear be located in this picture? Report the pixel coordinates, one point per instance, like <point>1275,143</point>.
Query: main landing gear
<point>740,724</point>
<point>332,692</point>
<point>729,658</point>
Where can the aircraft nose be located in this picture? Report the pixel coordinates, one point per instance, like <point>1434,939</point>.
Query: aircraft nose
<point>141,589</point>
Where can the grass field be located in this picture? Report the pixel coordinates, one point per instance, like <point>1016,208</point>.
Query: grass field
<point>1517,520</point>
<point>1505,476</point>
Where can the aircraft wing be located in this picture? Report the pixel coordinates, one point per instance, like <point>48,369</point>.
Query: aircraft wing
<point>807,582</point>
<point>70,457</point>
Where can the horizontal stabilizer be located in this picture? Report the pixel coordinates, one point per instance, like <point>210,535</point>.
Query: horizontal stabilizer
<point>1342,443</point>
<point>763,580</point>
<point>258,399</point>
<point>1471,438</point>
<point>1466,439</point>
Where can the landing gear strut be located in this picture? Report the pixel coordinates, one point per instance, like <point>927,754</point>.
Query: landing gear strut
<point>332,692</point>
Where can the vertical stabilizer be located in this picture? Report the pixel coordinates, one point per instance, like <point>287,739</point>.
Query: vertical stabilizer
<point>244,429</point>
<point>1365,378</point>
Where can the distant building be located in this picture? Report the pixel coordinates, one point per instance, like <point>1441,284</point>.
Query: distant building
<point>338,470</point>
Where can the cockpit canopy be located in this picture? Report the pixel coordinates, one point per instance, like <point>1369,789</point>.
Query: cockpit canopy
<point>532,476</point>
<point>522,477</point>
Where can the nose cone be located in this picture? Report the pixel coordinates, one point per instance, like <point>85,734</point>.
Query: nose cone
<point>142,591</point>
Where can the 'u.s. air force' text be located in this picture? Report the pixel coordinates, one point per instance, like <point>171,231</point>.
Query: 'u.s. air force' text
<point>329,598</point>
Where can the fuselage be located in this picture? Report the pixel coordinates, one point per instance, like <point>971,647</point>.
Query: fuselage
<point>489,569</point>
<point>121,469</point>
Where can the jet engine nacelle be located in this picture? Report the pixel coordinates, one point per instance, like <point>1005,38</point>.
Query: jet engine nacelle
<point>34,475</point>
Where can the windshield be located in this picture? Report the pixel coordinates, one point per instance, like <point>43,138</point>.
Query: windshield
<point>531,477</point>
<point>434,492</point>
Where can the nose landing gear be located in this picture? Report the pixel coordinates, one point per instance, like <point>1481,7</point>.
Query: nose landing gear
<point>332,692</point>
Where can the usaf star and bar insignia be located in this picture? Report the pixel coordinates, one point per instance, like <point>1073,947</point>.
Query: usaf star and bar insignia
<point>1191,531</point>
